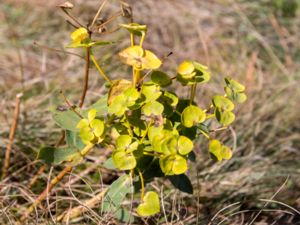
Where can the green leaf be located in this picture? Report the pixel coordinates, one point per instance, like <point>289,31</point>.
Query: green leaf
<point>202,73</point>
<point>86,135</point>
<point>100,106</point>
<point>118,106</point>
<point>92,114</point>
<point>117,88</point>
<point>98,127</point>
<point>182,183</point>
<point>190,73</point>
<point>234,90</point>
<point>173,164</point>
<point>179,165</point>
<point>241,97</point>
<point>131,95</point>
<point>121,103</point>
<point>171,98</point>
<point>150,205</point>
<point>86,44</point>
<point>185,145</point>
<point>219,151</point>
<point>161,142</point>
<point>116,194</point>
<point>123,160</point>
<point>55,156</point>
<point>73,140</point>
<point>160,78</point>
<point>192,115</point>
<point>154,131</point>
<point>224,118</point>
<point>100,43</point>
<point>67,120</point>
<point>153,108</point>
<point>227,118</point>
<point>151,91</point>
<point>109,164</point>
<point>223,103</point>
<point>215,148</point>
<point>135,28</point>
<point>123,141</point>
<point>234,85</point>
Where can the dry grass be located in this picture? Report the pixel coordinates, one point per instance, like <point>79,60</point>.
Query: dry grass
<point>244,39</point>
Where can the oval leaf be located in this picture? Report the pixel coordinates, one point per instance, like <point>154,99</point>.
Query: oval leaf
<point>192,115</point>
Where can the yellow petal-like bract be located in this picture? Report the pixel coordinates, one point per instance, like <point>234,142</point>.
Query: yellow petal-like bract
<point>79,34</point>
<point>139,58</point>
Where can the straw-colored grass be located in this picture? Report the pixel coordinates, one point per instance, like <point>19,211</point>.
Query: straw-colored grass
<point>248,40</point>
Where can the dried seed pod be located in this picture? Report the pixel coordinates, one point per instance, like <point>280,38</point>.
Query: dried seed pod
<point>66,5</point>
<point>126,10</point>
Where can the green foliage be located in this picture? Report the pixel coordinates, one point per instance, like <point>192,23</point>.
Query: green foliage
<point>219,150</point>
<point>67,120</point>
<point>112,202</point>
<point>150,130</point>
<point>192,115</point>
<point>189,73</point>
<point>150,204</point>
<point>52,155</point>
<point>182,183</point>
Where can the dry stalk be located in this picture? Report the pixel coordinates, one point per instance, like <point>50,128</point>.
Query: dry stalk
<point>11,135</point>
<point>51,185</point>
<point>77,211</point>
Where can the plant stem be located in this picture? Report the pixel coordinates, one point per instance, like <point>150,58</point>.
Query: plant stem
<point>205,135</point>
<point>11,136</point>
<point>52,184</point>
<point>136,77</point>
<point>132,39</point>
<point>86,77</point>
<point>142,184</point>
<point>146,132</point>
<point>99,68</point>
<point>36,176</point>
<point>142,39</point>
<point>193,93</point>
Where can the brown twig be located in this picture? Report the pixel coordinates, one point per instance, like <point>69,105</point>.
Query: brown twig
<point>11,136</point>
<point>37,175</point>
<point>97,14</point>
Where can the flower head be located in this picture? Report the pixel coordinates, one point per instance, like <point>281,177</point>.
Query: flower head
<point>91,129</point>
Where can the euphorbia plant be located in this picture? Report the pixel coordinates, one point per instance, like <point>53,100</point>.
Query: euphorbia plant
<point>149,129</point>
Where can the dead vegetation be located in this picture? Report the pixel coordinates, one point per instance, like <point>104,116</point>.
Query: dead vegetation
<point>250,40</point>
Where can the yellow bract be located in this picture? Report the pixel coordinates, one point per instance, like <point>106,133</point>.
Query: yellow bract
<point>139,58</point>
<point>186,69</point>
<point>79,34</point>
